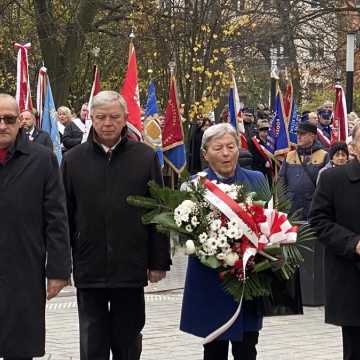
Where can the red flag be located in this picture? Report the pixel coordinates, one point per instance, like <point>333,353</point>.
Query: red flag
<point>288,100</point>
<point>130,92</point>
<point>23,94</point>
<point>172,131</point>
<point>340,125</point>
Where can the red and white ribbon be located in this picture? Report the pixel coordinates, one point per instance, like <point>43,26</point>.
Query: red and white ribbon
<point>40,93</point>
<point>23,94</point>
<point>276,229</point>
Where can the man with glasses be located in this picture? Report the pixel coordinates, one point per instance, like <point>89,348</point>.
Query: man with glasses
<point>335,217</point>
<point>114,254</point>
<point>34,239</point>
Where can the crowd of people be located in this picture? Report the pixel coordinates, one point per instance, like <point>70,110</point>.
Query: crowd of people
<point>78,220</point>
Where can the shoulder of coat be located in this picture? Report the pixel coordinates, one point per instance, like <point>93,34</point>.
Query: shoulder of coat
<point>318,156</point>
<point>291,157</point>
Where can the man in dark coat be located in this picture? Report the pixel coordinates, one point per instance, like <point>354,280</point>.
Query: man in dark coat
<point>114,254</point>
<point>300,170</point>
<point>334,215</point>
<point>28,122</point>
<point>34,237</point>
<point>75,129</point>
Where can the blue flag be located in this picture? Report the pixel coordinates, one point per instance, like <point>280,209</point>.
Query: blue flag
<point>293,123</point>
<point>152,130</point>
<point>151,104</point>
<point>278,139</point>
<point>49,121</point>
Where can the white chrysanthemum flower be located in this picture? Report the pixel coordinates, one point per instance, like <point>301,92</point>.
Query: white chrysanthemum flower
<point>194,221</point>
<point>188,228</point>
<point>222,241</point>
<point>190,247</point>
<point>232,233</point>
<point>215,225</point>
<point>184,217</point>
<point>178,222</point>
<point>188,204</point>
<point>203,237</point>
<point>231,258</point>
<point>212,243</point>
<point>232,224</point>
<point>222,231</point>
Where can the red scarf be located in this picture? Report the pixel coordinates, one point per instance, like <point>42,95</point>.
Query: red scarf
<point>3,154</point>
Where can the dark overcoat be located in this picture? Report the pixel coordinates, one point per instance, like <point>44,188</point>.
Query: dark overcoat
<point>43,138</point>
<point>34,244</point>
<point>335,216</point>
<point>111,247</point>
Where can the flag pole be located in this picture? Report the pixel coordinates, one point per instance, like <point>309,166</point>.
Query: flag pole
<point>172,71</point>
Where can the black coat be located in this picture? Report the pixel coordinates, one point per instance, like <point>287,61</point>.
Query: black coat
<point>72,135</point>
<point>110,245</point>
<point>335,216</point>
<point>43,138</point>
<point>34,244</point>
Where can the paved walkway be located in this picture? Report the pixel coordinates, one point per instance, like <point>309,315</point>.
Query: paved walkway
<point>283,338</point>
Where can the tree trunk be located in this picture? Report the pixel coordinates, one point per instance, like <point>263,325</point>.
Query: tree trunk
<point>62,60</point>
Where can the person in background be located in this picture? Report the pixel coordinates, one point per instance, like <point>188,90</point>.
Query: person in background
<point>75,129</point>
<point>300,170</point>
<point>338,155</point>
<point>325,120</point>
<point>313,118</point>
<point>261,162</point>
<point>28,123</point>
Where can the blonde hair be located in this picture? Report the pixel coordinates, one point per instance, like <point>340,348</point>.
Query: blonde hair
<point>66,111</point>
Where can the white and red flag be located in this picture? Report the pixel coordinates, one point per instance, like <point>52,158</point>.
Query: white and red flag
<point>23,93</point>
<point>40,93</point>
<point>96,87</point>
<point>130,92</point>
<point>340,124</point>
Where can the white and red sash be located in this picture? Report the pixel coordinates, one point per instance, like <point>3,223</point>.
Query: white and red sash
<point>265,153</point>
<point>323,138</point>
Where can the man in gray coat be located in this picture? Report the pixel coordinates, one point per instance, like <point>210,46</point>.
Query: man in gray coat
<point>34,240</point>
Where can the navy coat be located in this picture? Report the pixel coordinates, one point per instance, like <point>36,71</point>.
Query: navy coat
<point>206,306</point>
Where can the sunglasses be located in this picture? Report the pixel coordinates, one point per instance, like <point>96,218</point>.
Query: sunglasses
<point>8,119</point>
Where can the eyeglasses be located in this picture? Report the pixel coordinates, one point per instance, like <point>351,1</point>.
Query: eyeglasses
<point>8,119</point>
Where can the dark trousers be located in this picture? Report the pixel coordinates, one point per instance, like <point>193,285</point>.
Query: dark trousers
<point>111,319</point>
<point>241,350</point>
<point>351,342</point>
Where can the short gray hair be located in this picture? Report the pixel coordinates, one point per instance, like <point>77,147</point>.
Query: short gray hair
<point>7,97</point>
<point>218,131</point>
<point>107,97</point>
